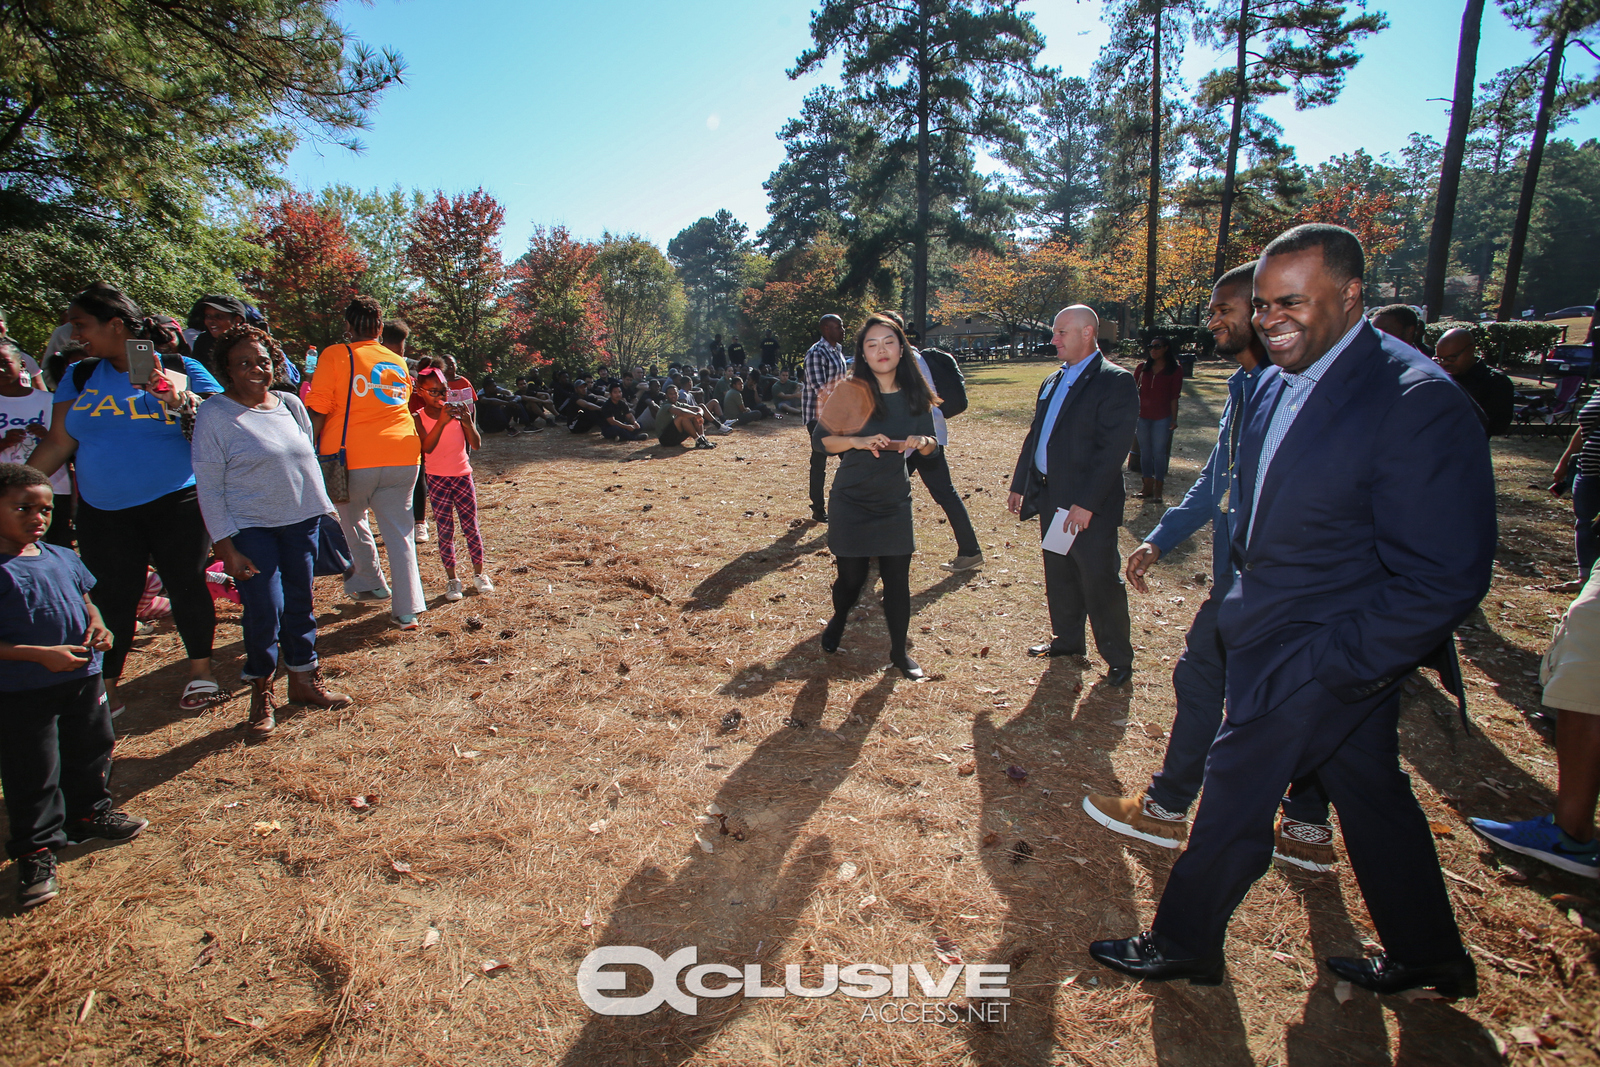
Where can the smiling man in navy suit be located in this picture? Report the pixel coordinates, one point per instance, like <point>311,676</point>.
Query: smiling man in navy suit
<point>1365,534</point>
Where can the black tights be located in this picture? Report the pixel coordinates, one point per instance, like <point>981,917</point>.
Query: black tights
<point>896,574</point>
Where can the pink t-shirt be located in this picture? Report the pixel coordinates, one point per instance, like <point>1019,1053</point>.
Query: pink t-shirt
<point>449,456</point>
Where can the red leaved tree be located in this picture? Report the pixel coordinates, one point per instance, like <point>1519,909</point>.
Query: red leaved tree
<point>557,318</point>
<point>454,249</point>
<point>310,272</point>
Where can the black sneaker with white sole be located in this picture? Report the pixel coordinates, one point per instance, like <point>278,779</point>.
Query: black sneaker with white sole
<point>113,826</point>
<point>36,879</point>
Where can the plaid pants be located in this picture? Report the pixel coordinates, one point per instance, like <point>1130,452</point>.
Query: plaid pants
<point>449,495</point>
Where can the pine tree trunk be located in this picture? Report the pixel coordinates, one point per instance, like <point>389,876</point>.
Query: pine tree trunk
<point>1153,208</point>
<point>919,260</point>
<point>1530,177</point>
<point>1229,175</point>
<point>1455,147</point>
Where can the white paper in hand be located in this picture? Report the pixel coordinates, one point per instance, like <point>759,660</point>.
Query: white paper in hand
<point>1059,537</point>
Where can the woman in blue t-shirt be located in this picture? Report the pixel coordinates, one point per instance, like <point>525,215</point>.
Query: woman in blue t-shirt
<point>138,503</point>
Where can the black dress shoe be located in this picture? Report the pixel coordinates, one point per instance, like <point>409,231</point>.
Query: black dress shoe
<point>1138,957</point>
<point>1118,675</point>
<point>1053,649</point>
<point>818,515</point>
<point>1456,979</point>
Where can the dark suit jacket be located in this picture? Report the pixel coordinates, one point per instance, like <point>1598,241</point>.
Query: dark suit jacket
<point>1087,447</point>
<point>1374,536</point>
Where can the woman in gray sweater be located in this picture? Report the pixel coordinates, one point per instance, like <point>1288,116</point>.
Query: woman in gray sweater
<point>262,497</point>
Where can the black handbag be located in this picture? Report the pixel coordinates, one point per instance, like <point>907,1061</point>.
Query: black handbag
<point>335,466</point>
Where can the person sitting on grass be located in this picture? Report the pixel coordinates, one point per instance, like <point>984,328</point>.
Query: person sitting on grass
<point>735,408</point>
<point>1570,675</point>
<point>786,394</point>
<point>618,423</point>
<point>448,431</point>
<point>679,419</point>
<point>498,408</point>
<point>648,404</point>
<point>586,406</point>
<point>55,726</point>
<point>752,399</point>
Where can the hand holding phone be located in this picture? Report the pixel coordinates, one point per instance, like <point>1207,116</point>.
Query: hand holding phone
<point>141,361</point>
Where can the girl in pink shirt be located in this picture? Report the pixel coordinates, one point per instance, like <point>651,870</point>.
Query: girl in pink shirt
<point>447,432</point>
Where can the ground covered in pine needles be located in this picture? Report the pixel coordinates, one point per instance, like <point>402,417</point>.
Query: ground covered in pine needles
<point>416,879</point>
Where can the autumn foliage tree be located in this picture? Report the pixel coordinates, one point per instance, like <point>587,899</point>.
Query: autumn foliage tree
<point>1026,286</point>
<point>803,287</point>
<point>556,315</point>
<point>454,251</point>
<point>310,271</point>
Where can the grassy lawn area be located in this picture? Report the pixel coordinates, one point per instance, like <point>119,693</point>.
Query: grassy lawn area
<point>537,765</point>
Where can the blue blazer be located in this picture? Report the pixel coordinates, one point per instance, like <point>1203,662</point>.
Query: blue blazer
<point>1374,535</point>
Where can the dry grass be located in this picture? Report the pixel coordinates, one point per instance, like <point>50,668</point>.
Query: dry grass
<point>538,758</point>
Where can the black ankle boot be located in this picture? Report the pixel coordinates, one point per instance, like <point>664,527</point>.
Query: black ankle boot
<point>832,633</point>
<point>908,666</point>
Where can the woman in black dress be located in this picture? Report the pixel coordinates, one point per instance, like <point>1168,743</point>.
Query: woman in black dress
<point>869,507</point>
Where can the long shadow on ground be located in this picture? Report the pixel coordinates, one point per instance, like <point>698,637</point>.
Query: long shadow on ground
<point>741,904</point>
<point>1063,880</point>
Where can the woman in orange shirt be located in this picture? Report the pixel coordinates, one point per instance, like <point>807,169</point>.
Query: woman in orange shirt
<point>358,402</point>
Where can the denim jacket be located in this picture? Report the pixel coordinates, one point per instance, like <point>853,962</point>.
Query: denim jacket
<point>1208,497</point>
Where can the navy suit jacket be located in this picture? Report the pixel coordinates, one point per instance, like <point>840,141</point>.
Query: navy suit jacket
<point>1374,535</point>
<point>1087,447</point>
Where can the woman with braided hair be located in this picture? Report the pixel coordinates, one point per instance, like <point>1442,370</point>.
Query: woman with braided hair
<point>358,400</point>
<point>136,483</point>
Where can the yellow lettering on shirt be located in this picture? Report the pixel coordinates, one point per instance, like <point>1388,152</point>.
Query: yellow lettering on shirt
<point>85,400</point>
<point>109,401</point>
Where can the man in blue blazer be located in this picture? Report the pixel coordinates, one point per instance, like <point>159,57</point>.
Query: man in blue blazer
<point>1071,461</point>
<point>1360,460</point>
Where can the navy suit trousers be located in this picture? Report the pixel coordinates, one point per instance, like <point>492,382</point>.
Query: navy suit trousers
<point>1354,748</point>
<point>1198,682</point>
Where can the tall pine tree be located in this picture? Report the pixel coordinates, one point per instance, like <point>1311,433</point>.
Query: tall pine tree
<point>1280,46</point>
<point>943,74</point>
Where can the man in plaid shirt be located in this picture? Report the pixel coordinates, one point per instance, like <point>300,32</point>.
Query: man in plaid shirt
<point>824,363</point>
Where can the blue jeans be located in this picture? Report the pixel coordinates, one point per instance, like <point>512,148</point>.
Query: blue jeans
<point>1585,506</point>
<point>1155,447</point>
<point>278,612</point>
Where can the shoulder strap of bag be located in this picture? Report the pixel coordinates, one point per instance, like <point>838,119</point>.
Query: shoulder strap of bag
<point>81,371</point>
<point>349,394</point>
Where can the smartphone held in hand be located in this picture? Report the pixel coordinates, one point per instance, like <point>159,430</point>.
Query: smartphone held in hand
<point>141,360</point>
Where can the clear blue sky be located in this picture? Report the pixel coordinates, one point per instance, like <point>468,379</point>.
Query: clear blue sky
<point>643,115</point>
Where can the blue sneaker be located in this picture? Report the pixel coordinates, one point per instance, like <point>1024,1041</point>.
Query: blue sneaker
<point>1542,839</point>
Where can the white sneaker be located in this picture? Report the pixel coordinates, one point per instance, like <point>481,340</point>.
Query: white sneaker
<point>422,533</point>
<point>452,591</point>
<point>482,583</point>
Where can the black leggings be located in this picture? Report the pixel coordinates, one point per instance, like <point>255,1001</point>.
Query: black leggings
<point>117,546</point>
<point>896,574</point>
<point>419,496</point>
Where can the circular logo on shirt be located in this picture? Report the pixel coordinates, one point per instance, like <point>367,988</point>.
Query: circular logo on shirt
<point>387,383</point>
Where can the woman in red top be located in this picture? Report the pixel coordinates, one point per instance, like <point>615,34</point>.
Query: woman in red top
<point>1160,383</point>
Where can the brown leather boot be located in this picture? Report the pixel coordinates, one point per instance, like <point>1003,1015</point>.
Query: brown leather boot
<point>262,706</point>
<point>1156,486</point>
<point>307,687</point>
<point>1149,488</point>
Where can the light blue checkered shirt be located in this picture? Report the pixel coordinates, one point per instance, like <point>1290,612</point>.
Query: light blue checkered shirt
<point>1297,389</point>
